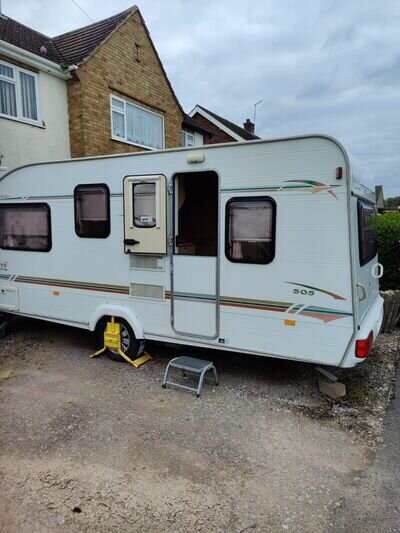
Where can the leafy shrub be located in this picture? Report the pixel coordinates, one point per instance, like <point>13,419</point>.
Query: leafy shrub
<point>387,230</point>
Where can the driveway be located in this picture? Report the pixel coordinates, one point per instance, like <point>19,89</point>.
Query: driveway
<point>94,445</point>
<point>374,503</point>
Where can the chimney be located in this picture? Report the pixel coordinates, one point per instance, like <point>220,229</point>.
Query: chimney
<point>249,126</point>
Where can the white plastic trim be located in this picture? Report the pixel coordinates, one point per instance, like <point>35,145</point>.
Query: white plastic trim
<point>41,63</point>
<point>117,310</point>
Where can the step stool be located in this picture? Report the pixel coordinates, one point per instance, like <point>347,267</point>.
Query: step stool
<point>190,365</point>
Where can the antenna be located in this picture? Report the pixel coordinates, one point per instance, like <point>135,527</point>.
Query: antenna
<point>255,109</point>
<point>83,11</point>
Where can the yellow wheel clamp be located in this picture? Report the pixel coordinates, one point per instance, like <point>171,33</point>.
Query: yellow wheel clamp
<point>112,341</point>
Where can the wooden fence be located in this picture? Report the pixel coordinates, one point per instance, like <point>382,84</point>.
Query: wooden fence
<point>391,310</point>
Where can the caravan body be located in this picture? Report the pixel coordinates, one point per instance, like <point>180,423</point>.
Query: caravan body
<point>261,247</point>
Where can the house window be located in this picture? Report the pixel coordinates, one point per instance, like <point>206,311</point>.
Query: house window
<point>187,139</point>
<point>250,230</point>
<point>92,211</point>
<point>25,227</point>
<point>144,205</point>
<point>366,234</point>
<point>136,125</point>
<point>18,93</point>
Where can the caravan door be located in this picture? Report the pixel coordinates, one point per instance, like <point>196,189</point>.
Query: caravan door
<point>194,276</point>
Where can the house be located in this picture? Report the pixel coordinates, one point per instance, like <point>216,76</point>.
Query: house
<point>222,130</point>
<point>100,89</point>
<point>33,97</point>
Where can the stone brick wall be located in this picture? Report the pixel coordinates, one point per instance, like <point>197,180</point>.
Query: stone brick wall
<point>125,65</point>
<point>219,136</point>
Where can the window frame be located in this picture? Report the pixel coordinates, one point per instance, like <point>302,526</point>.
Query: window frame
<point>246,199</point>
<point>93,186</point>
<point>364,260</point>
<point>21,205</point>
<point>184,137</point>
<point>15,80</point>
<point>122,111</point>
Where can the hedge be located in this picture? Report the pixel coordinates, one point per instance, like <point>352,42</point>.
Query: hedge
<point>387,229</point>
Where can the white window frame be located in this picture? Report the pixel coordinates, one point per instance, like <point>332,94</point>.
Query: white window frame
<point>123,112</point>
<point>15,80</point>
<point>186,134</point>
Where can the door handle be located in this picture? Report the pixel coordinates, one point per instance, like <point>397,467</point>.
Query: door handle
<point>131,241</point>
<point>364,291</point>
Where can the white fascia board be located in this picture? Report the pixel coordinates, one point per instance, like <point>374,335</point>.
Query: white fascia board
<point>219,124</point>
<point>41,63</point>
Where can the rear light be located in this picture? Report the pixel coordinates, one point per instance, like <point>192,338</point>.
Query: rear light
<point>363,347</point>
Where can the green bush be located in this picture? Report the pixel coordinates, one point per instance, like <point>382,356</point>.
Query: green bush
<point>387,230</point>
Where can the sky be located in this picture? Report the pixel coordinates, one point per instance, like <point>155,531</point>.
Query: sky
<point>319,66</point>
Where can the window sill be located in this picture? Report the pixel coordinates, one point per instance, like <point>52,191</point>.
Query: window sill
<point>23,121</point>
<point>118,139</point>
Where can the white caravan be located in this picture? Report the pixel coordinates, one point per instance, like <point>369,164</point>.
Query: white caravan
<point>261,247</point>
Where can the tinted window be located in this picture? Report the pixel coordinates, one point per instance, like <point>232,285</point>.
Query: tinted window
<point>92,211</point>
<point>250,230</point>
<point>366,234</point>
<point>25,227</point>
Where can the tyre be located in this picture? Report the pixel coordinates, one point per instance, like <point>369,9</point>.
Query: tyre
<point>129,343</point>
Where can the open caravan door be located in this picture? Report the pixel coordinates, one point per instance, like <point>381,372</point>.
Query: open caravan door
<point>194,279</point>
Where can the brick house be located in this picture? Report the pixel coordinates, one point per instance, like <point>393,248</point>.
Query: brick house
<point>100,89</point>
<point>221,129</point>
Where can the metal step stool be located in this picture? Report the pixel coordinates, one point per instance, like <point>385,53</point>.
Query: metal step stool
<point>191,365</point>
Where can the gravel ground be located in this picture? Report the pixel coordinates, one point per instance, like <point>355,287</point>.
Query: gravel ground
<point>94,445</point>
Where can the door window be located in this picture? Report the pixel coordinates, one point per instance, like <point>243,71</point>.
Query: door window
<point>144,205</point>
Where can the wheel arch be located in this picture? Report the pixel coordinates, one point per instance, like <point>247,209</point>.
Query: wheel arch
<point>118,311</point>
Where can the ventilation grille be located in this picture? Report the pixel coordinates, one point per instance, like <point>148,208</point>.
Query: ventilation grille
<point>147,262</point>
<point>141,290</point>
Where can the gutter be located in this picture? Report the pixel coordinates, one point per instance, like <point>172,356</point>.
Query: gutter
<point>33,60</point>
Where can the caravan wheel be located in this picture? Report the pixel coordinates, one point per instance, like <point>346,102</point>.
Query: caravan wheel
<point>129,343</point>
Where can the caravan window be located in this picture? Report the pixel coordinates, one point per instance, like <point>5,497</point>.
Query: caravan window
<point>92,211</point>
<point>366,234</point>
<point>144,205</point>
<point>250,230</point>
<point>25,227</point>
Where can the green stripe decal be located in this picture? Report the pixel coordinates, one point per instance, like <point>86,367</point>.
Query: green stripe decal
<point>322,313</point>
<point>103,287</point>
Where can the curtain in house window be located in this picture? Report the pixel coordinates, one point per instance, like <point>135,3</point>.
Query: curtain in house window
<point>8,102</point>
<point>143,127</point>
<point>118,124</point>
<point>28,96</point>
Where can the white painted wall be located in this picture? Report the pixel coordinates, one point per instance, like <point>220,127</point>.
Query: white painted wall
<point>22,143</point>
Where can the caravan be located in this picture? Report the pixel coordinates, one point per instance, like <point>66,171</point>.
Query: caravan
<point>261,247</point>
